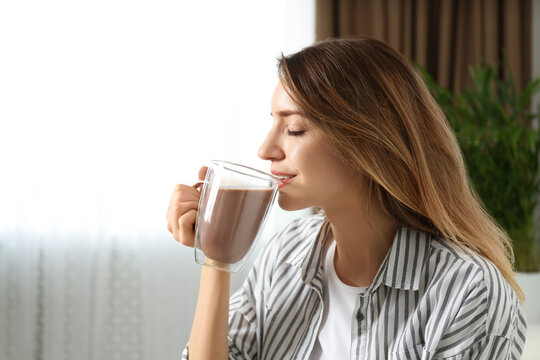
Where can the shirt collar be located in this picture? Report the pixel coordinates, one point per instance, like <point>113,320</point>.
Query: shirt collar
<point>403,266</point>
<point>401,269</point>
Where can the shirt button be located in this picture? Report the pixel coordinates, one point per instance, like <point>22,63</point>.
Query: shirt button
<point>360,317</point>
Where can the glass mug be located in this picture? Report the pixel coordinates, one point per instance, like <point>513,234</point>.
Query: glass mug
<point>234,205</point>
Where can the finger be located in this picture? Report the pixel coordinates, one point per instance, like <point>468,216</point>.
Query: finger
<point>202,172</point>
<point>181,194</point>
<point>176,210</point>
<point>186,233</point>
<point>185,192</point>
<point>183,199</point>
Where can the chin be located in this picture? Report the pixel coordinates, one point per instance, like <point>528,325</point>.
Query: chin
<point>287,203</point>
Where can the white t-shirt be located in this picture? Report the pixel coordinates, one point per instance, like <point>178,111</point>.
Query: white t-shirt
<point>334,339</point>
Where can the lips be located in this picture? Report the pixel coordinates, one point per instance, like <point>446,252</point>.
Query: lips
<point>285,181</point>
<point>284,178</point>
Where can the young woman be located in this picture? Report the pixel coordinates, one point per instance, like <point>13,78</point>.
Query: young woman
<point>403,263</point>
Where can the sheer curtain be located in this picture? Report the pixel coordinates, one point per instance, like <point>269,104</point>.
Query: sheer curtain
<point>104,107</point>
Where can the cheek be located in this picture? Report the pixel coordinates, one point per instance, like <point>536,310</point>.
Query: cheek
<point>318,162</point>
<point>328,175</point>
<point>305,156</point>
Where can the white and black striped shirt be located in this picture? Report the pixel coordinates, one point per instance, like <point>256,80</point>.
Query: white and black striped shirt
<point>427,301</point>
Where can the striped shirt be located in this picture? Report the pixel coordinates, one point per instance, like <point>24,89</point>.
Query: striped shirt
<point>427,301</point>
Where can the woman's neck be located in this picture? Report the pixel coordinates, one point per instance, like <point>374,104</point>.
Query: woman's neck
<point>362,240</point>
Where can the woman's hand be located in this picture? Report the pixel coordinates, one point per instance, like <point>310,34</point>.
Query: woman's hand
<point>182,212</point>
<point>208,338</point>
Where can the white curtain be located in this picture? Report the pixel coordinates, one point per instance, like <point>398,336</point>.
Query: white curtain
<point>105,105</point>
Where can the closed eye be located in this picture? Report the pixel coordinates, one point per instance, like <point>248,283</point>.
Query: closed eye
<point>295,133</point>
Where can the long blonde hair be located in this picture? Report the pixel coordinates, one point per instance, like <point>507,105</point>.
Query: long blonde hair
<point>375,110</point>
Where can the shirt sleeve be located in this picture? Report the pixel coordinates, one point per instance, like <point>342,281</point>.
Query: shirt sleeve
<point>505,329</point>
<point>488,325</point>
<point>247,306</point>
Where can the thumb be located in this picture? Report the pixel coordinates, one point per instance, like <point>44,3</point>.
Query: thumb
<point>202,172</point>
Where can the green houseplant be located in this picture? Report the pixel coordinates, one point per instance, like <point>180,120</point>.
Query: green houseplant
<point>500,140</point>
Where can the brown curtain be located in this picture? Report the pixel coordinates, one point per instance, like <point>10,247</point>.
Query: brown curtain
<point>444,36</point>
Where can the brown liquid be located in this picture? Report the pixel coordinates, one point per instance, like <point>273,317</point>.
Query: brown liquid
<point>236,218</point>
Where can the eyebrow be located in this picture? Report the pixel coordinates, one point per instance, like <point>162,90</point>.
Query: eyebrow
<point>285,113</point>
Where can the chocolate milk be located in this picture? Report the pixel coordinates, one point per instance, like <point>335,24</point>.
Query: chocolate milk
<point>236,218</point>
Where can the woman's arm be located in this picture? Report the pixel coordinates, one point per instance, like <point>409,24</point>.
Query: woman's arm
<point>210,326</point>
<point>486,322</point>
<point>208,338</point>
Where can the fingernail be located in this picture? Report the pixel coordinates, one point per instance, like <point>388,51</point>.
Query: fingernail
<point>198,184</point>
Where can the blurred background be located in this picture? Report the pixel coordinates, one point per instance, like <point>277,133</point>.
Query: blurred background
<point>106,105</point>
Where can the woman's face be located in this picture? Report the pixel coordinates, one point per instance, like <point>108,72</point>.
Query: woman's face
<point>314,176</point>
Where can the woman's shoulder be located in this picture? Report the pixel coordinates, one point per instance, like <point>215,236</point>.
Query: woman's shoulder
<point>297,239</point>
<point>474,267</point>
<point>476,280</point>
<point>301,230</point>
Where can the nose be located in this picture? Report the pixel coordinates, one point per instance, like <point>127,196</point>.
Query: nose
<point>271,148</point>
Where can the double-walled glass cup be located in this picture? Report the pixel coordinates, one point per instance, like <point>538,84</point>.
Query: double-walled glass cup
<point>234,205</point>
